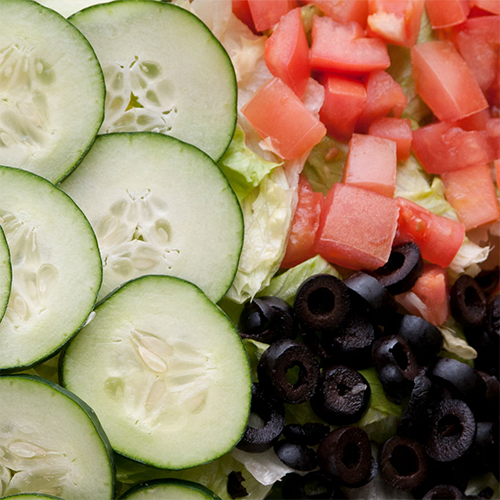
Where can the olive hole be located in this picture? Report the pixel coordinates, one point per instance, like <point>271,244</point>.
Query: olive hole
<point>343,389</point>
<point>395,262</point>
<point>256,421</point>
<point>294,374</point>
<point>404,460</point>
<point>399,355</point>
<point>449,426</point>
<point>321,301</point>
<point>351,455</point>
<point>472,299</point>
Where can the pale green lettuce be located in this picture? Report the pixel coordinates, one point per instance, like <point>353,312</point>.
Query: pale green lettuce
<point>243,168</point>
<point>455,344</point>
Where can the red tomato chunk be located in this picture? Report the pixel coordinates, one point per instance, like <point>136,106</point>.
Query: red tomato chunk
<point>438,238</point>
<point>344,48</point>
<point>445,13</point>
<point>266,13</point>
<point>305,225</point>
<point>488,5</point>
<point>471,192</point>
<point>396,129</point>
<point>443,147</point>
<point>276,112</point>
<point>287,52</point>
<point>345,99</point>
<point>445,82</point>
<point>357,227</point>
<point>371,164</point>
<point>344,11</point>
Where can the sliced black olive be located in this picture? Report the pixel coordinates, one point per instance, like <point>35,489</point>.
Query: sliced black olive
<point>352,342</point>
<point>322,302</point>
<point>267,319</point>
<point>270,415</point>
<point>313,485</point>
<point>312,340</point>
<point>395,364</point>
<point>480,456</point>
<point>444,492</point>
<point>345,453</point>
<point>423,337</point>
<point>459,378</point>
<point>309,434</point>
<point>488,408</point>
<point>468,302</point>
<point>296,456</point>
<point>402,270</point>
<point>487,347</point>
<point>235,486</point>
<point>493,319</point>
<point>452,431</point>
<point>416,417</point>
<point>488,280</point>
<point>381,303</point>
<point>289,371</point>
<point>342,396</point>
<point>403,463</point>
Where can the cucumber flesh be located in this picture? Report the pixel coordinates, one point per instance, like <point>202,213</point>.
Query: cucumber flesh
<point>51,91</point>
<point>170,489</point>
<point>56,268</point>
<point>51,443</point>
<point>5,273</point>
<point>165,72</point>
<point>159,206</point>
<point>69,7</point>
<point>162,367</point>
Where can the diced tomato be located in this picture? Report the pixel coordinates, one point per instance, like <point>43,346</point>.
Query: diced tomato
<point>396,129</point>
<point>471,192</point>
<point>371,164</point>
<point>478,41</point>
<point>445,82</point>
<point>344,101</point>
<point>493,131</point>
<point>344,11</point>
<point>304,225</point>
<point>488,5</point>
<point>383,95</point>
<point>344,48</point>
<point>438,238</point>
<point>241,10</point>
<point>477,121</point>
<point>287,52</point>
<point>266,13</point>
<point>356,228</point>
<point>442,147</point>
<point>396,21</point>
<point>276,112</point>
<point>433,290</point>
<point>445,13</point>
<point>497,172</point>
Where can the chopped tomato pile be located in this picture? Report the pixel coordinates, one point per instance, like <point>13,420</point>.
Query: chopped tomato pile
<point>346,47</point>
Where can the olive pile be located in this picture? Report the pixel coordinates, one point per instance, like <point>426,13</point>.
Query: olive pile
<point>450,425</point>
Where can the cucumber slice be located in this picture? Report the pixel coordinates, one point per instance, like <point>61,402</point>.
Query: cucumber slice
<point>5,273</point>
<point>159,206</point>
<point>163,367</point>
<point>69,7</point>
<point>56,268</point>
<point>165,72</point>
<point>51,91</point>
<point>51,442</point>
<point>31,496</point>
<point>169,489</point>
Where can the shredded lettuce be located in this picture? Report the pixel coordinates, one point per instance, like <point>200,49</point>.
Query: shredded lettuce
<point>455,343</point>
<point>267,213</point>
<point>478,483</point>
<point>325,164</point>
<point>244,168</point>
<point>255,350</point>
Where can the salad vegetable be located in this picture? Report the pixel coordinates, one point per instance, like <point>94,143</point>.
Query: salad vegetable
<point>330,184</point>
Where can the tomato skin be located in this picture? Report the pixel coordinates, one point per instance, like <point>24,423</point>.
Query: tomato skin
<point>352,52</point>
<point>396,129</point>
<point>471,192</point>
<point>438,238</point>
<point>493,131</point>
<point>350,214</point>
<point>344,101</point>
<point>492,6</point>
<point>383,95</point>
<point>241,10</point>
<point>287,52</point>
<point>477,121</point>
<point>445,82</point>
<point>396,21</point>
<point>305,225</point>
<point>371,164</point>
<point>443,147</point>
<point>266,13</point>
<point>344,11</point>
<point>276,112</point>
<point>446,13</point>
